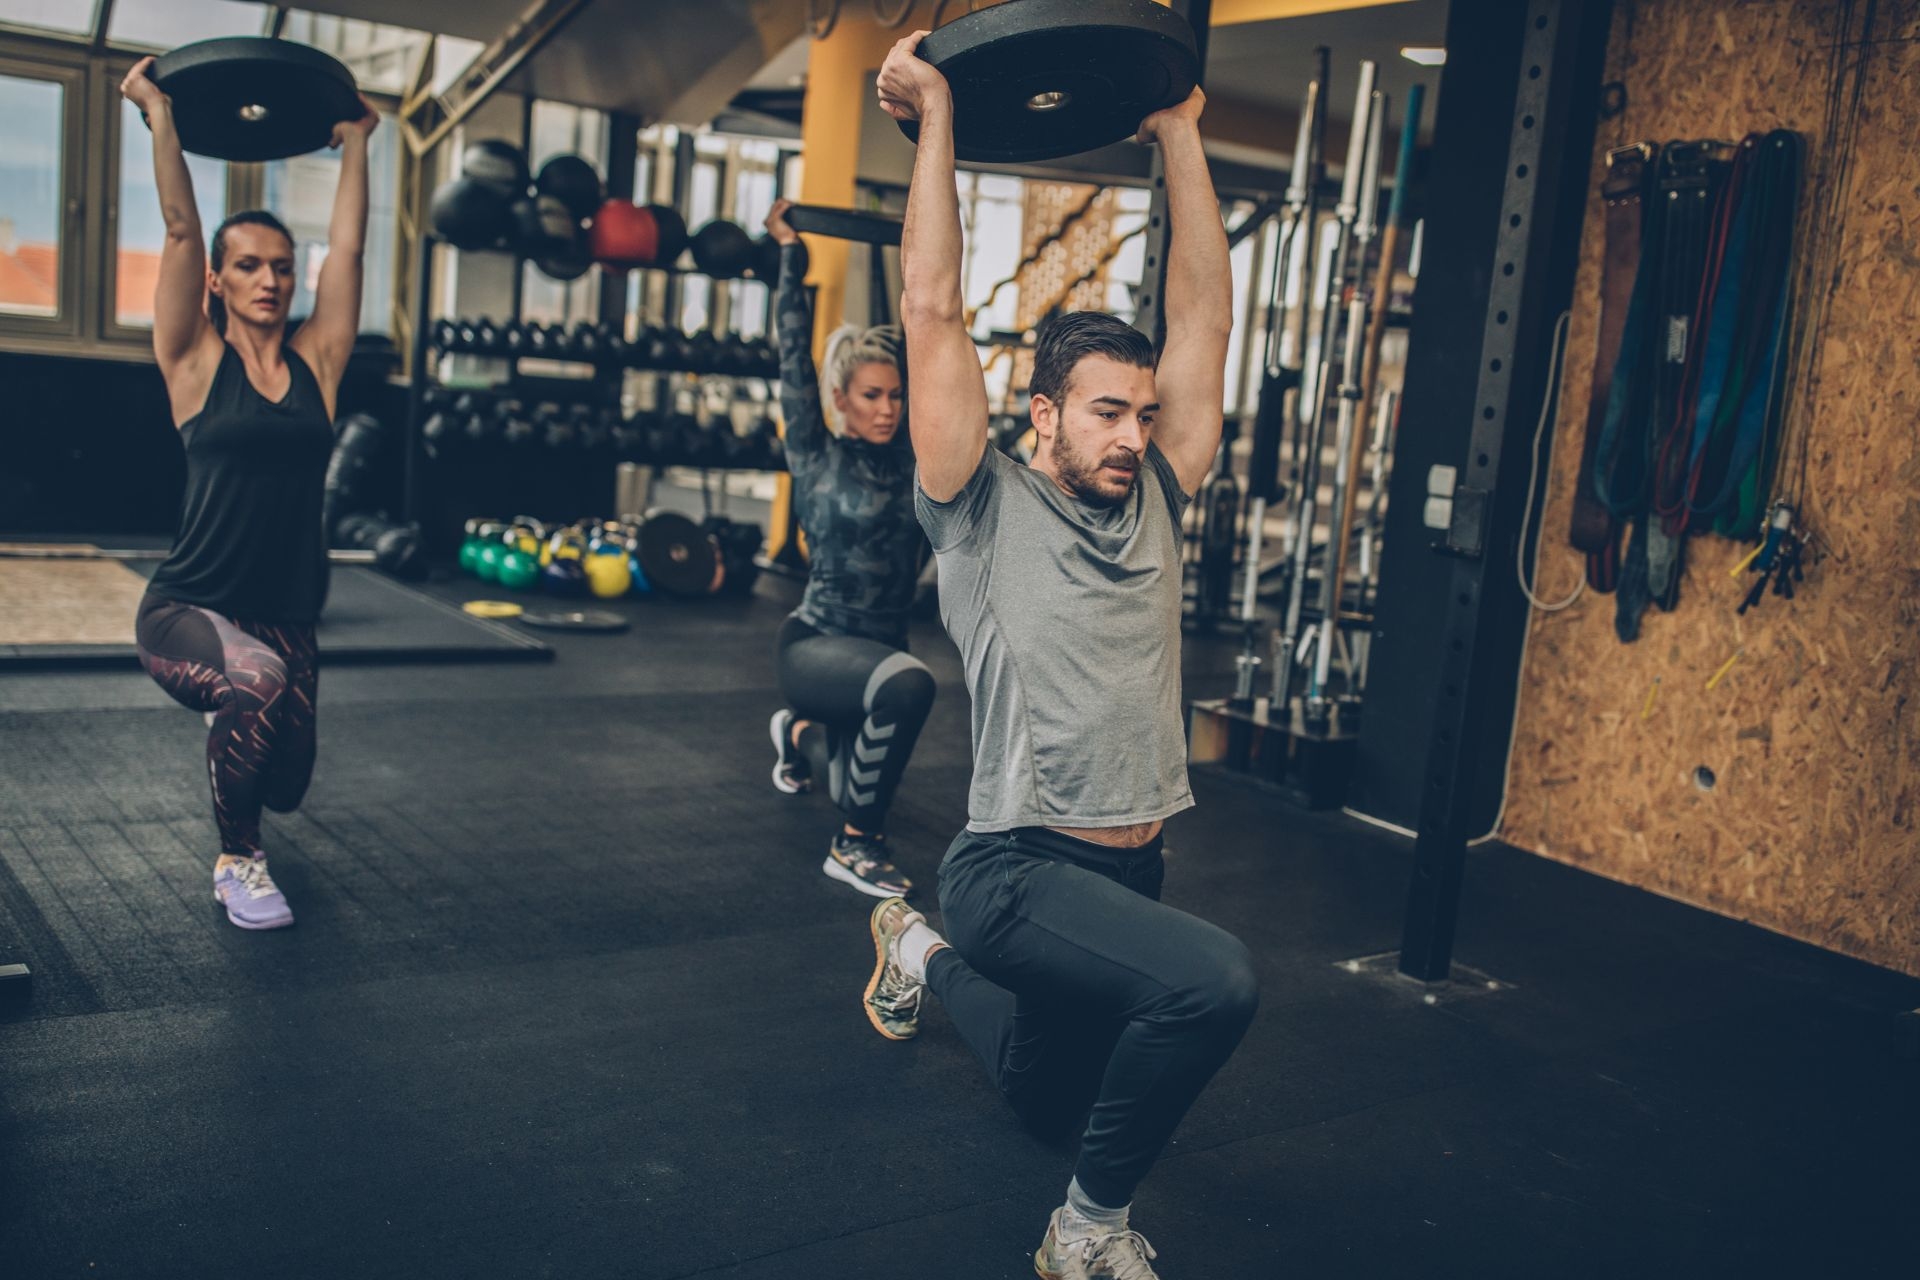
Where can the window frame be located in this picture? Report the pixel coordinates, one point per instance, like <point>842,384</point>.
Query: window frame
<point>67,325</point>
<point>112,333</point>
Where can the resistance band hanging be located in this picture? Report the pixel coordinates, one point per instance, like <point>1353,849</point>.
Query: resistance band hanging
<point>1736,428</point>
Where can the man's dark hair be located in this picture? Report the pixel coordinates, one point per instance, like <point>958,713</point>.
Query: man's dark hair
<point>216,309</point>
<point>1063,340</point>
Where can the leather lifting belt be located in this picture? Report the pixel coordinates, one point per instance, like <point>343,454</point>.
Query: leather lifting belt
<point>1630,170</point>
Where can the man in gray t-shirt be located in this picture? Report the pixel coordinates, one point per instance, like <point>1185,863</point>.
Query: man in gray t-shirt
<point>1085,996</point>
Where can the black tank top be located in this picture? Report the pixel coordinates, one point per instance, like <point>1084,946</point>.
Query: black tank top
<point>250,543</point>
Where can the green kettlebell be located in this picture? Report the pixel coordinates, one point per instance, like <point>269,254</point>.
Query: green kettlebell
<point>519,571</point>
<point>486,561</point>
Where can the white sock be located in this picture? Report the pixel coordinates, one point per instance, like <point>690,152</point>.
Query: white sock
<point>913,946</point>
<point>1082,1217</point>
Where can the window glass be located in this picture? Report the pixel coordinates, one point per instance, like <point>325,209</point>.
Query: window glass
<point>73,16</point>
<point>703,203</point>
<point>382,58</point>
<point>300,192</point>
<point>452,55</point>
<point>752,197</point>
<point>142,230</point>
<point>30,185</point>
<point>165,24</point>
<point>1241,260</point>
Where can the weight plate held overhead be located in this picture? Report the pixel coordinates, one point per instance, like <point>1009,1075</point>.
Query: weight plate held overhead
<point>1041,79</point>
<point>247,98</point>
<point>846,224</point>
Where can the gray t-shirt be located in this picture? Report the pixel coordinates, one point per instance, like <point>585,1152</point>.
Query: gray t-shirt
<point>1068,618</point>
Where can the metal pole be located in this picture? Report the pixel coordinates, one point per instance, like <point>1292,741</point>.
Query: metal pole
<point>1542,204</point>
<point>1349,441</point>
<point>1280,379</point>
<point>1315,434</point>
<point>417,379</point>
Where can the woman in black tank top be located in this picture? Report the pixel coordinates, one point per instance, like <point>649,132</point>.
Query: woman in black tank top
<point>227,625</point>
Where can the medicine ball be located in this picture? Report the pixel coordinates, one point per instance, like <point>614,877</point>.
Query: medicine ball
<point>623,235</point>
<point>766,258</point>
<point>723,249</point>
<point>470,214</point>
<point>567,259</point>
<point>574,183</point>
<point>672,233</point>
<point>498,163</point>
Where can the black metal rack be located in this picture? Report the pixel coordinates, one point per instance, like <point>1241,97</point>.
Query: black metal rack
<point>601,388</point>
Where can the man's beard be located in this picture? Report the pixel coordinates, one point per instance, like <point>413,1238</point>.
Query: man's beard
<point>1083,476</point>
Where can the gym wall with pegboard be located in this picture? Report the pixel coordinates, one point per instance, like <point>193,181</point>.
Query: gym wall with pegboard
<point>1765,765</point>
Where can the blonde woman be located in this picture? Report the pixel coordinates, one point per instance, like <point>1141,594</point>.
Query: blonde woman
<point>856,699</point>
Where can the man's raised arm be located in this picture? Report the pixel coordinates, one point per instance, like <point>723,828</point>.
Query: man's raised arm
<point>949,393</point>
<point>1191,379</point>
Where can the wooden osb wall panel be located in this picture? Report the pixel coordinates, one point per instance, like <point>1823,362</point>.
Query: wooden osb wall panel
<point>1813,735</point>
<point>1067,231</point>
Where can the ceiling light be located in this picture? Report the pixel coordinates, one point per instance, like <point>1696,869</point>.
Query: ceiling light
<point>1425,55</point>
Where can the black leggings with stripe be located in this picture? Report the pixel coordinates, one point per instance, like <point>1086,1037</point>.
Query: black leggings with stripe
<point>867,701</point>
<point>261,683</point>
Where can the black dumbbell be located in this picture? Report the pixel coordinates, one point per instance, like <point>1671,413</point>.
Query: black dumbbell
<point>583,342</point>
<point>540,341</point>
<point>701,352</point>
<point>517,430</point>
<point>629,438</point>
<point>514,335</point>
<point>655,348</point>
<point>590,429</point>
<point>463,336</point>
<point>766,358</point>
<point>486,337</point>
<point>443,335</point>
<point>551,425</point>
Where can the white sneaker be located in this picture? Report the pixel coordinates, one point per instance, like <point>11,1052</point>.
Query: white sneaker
<point>1113,1255</point>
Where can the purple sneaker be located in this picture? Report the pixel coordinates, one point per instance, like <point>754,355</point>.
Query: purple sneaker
<point>250,896</point>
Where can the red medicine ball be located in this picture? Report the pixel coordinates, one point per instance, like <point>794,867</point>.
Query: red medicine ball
<point>624,235</point>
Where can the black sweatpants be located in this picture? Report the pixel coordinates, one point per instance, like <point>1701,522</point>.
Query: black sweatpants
<point>1078,988</point>
<point>869,700</point>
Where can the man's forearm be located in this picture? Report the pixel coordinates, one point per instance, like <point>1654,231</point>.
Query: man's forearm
<point>1199,267</point>
<point>930,244</point>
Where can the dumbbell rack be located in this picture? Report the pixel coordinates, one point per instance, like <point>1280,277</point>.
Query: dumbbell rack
<point>601,390</point>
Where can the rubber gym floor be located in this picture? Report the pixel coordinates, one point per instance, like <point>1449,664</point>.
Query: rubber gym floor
<point>569,997</point>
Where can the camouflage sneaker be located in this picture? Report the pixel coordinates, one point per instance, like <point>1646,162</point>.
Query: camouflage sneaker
<point>893,997</point>
<point>1114,1255</point>
<point>861,861</point>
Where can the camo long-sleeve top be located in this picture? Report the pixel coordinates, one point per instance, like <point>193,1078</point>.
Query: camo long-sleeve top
<point>853,499</point>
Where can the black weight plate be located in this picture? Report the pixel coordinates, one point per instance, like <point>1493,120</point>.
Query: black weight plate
<point>247,98</point>
<point>576,620</point>
<point>678,556</point>
<point>845,224</point>
<point>1112,64</point>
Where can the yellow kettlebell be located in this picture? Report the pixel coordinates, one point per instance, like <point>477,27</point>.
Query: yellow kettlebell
<point>608,575</point>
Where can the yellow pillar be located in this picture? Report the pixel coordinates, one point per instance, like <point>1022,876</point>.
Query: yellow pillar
<point>839,69</point>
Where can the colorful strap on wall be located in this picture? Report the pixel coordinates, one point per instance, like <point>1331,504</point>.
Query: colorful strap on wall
<point>1685,438</point>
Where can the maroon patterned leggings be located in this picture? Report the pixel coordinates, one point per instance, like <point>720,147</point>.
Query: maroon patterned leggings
<point>261,683</point>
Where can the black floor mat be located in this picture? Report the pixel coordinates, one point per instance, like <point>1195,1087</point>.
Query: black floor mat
<point>569,996</point>
<point>369,619</point>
